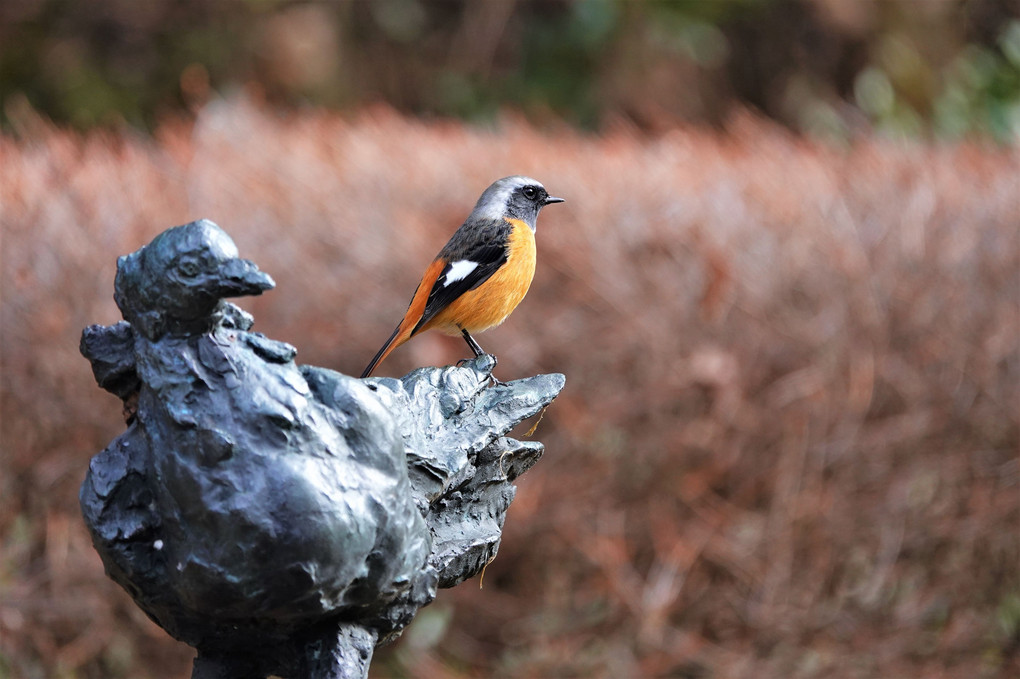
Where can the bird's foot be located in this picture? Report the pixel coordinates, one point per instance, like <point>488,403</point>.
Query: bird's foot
<point>483,363</point>
<point>487,363</point>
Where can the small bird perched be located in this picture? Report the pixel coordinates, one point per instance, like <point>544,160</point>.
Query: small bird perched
<point>482,273</point>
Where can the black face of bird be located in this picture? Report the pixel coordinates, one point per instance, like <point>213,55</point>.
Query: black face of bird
<point>538,195</point>
<point>525,202</point>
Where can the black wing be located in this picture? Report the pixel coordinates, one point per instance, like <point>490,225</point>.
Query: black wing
<point>488,257</point>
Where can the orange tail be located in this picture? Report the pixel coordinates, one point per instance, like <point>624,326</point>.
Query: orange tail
<point>415,310</point>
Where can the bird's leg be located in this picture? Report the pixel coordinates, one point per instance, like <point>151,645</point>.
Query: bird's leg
<point>478,352</point>
<point>472,343</point>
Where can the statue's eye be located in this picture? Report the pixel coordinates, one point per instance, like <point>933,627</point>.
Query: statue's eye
<point>188,266</point>
<point>530,192</point>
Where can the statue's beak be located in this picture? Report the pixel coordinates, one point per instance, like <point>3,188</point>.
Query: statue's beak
<point>241,277</point>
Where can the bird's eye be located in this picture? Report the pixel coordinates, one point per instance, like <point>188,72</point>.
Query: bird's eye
<point>530,192</point>
<point>188,267</point>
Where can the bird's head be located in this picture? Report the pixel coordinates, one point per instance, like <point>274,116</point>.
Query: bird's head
<point>517,197</point>
<point>175,283</point>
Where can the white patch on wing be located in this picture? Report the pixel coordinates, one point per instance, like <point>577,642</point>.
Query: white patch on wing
<point>459,270</point>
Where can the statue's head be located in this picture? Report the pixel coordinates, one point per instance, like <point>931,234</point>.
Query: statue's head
<point>176,283</point>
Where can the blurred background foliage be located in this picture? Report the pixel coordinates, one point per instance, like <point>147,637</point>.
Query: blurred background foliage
<point>941,69</point>
<point>788,443</point>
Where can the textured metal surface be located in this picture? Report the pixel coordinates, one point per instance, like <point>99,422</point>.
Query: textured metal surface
<point>283,519</point>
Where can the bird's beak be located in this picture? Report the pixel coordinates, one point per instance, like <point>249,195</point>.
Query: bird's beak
<point>240,277</point>
<point>552,199</point>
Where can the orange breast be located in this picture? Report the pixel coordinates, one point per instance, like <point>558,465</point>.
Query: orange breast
<point>491,302</point>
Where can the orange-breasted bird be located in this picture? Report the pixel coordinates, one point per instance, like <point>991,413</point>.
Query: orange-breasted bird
<point>482,273</point>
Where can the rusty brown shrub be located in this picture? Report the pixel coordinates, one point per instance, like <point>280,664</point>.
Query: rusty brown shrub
<point>788,445</point>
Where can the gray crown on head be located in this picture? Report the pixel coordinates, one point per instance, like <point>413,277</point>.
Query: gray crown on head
<point>507,197</point>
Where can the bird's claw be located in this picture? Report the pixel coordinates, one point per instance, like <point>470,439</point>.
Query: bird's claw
<point>490,377</point>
